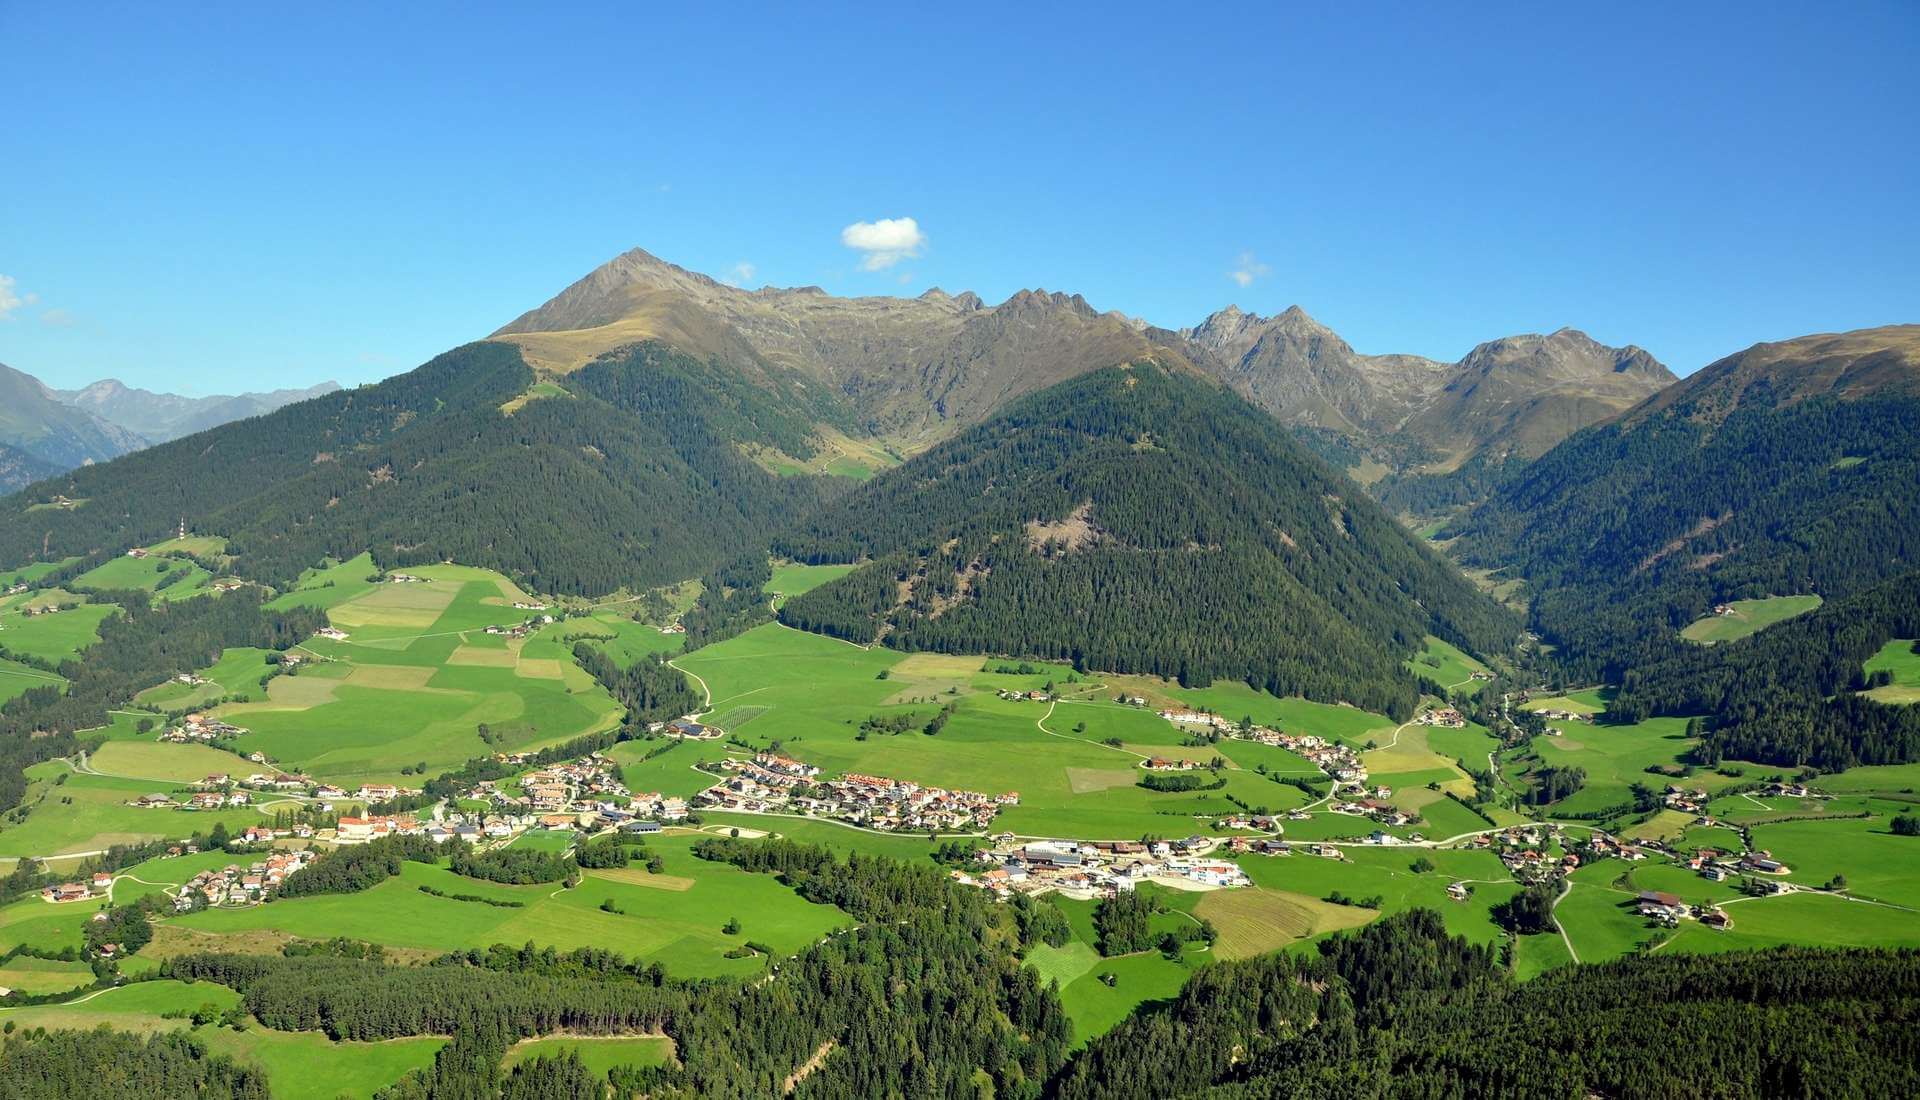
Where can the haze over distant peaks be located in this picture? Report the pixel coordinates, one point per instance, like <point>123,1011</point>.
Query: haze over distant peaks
<point>159,417</point>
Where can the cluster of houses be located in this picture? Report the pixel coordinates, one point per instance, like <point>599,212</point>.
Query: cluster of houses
<point>1526,852</point>
<point>1096,869</point>
<point>200,728</point>
<point>1669,910</point>
<point>98,886</point>
<point>16,589</point>
<point>520,629</point>
<point>771,783</point>
<point>234,885</point>
<point>1687,800</point>
<point>1553,714</point>
<point>1338,761</point>
<point>1717,866</point>
<point>1448,718</point>
<point>588,784</point>
<point>1024,696</point>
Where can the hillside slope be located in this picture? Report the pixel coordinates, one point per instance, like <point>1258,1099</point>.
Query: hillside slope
<point>633,475</point>
<point>34,421</point>
<point>1787,468</point>
<point>1141,519</point>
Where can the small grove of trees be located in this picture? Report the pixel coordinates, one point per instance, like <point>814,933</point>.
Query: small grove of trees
<point>1528,912</point>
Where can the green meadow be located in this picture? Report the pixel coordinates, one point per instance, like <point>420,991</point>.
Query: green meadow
<point>38,977</point>
<point>793,578</point>
<point>1875,863</point>
<point>600,1054</point>
<point>54,637</point>
<point>1614,757</point>
<point>17,679</point>
<point>146,574</point>
<point>1748,617</point>
<point>298,1065</point>
<point>68,812</point>
<point>235,677</point>
<point>27,574</point>
<point>1900,659</point>
<point>1080,972</point>
<point>415,680</point>
<point>674,917</point>
<point>1388,873</point>
<point>1074,763</point>
<point>1447,665</point>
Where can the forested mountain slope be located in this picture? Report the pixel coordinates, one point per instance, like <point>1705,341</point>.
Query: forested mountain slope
<point>1785,469</point>
<point>1145,519</point>
<point>1788,695</point>
<point>1399,1009</point>
<point>632,475</point>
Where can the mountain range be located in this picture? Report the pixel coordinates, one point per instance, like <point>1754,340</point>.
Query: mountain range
<point>158,417</point>
<point>44,431</point>
<point>905,372</point>
<point>1042,478</point>
<point>1788,468</point>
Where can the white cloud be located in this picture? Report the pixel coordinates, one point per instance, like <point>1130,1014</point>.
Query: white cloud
<point>11,298</point>
<point>739,274</point>
<point>58,318</point>
<point>885,242</point>
<point>1248,269</point>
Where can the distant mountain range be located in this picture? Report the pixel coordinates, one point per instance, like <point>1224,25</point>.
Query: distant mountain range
<point>910,371</point>
<point>158,417</point>
<point>44,431</point>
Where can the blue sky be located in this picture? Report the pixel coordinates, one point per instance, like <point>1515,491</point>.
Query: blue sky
<point>205,198</point>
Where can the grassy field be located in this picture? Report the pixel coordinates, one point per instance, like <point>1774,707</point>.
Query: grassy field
<point>42,976</point>
<point>674,917</point>
<point>599,1053</point>
<point>793,578</point>
<point>1447,665</point>
<point>1074,763</point>
<point>1901,659</point>
<point>16,678</point>
<point>1748,616</point>
<point>299,1065</point>
<point>155,760</point>
<point>69,813</point>
<point>1094,1006</point>
<point>1257,921</point>
<point>416,678</point>
<point>1388,874</point>
<point>1876,863</point>
<point>54,637</point>
<point>1615,757</point>
<point>235,677</point>
<point>146,574</point>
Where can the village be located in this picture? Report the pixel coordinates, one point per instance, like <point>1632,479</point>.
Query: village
<point>771,783</point>
<point>1094,869</point>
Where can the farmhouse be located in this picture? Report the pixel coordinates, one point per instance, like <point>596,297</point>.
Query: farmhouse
<point>1661,905</point>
